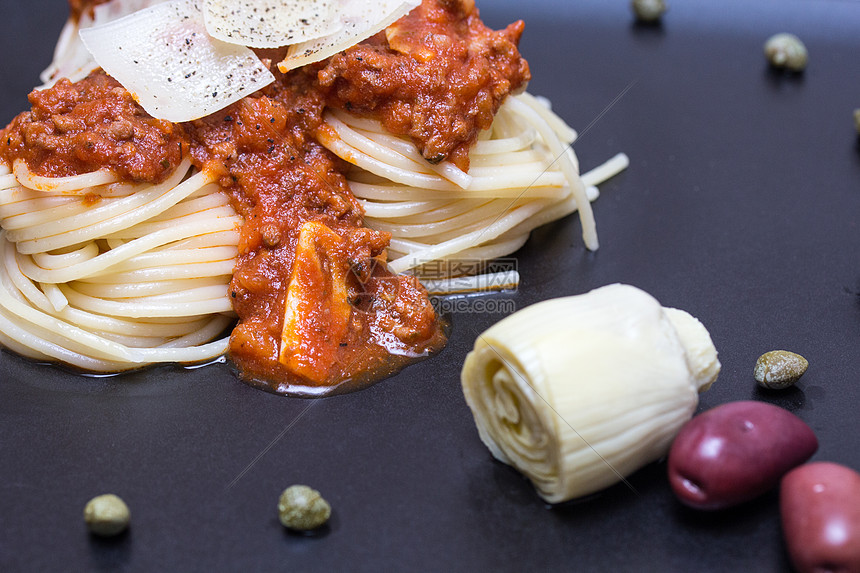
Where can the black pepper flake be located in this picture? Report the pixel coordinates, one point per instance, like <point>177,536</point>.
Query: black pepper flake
<point>301,110</point>
<point>359,58</point>
<point>348,106</point>
<point>258,126</point>
<point>228,118</point>
<point>214,94</point>
<point>270,140</point>
<point>271,120</point>
<point>271,148</point>
<point>233,294</point>
<point>343,344</point>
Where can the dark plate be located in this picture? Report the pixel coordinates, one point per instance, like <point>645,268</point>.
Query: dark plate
<point>741,205</point>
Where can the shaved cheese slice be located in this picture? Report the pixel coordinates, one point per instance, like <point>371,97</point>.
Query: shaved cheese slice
<point>71,59</point>
<point>270,23</point>
<point>361,20</point>
<point>173,68</point>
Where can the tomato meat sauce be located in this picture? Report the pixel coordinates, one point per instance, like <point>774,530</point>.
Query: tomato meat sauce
<point>93,124</point>
<point>318,310</point>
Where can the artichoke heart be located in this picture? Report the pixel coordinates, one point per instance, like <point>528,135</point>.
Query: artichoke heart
<point>578,392</point>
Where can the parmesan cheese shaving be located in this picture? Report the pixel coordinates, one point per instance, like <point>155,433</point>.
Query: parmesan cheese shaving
<point>173,68</point>
<point>270,23</point>
<point>361,20</point>
<point>71,58</point>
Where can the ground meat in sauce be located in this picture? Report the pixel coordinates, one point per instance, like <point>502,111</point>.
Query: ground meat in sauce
<point>75,128</point>
<point>437,76</point>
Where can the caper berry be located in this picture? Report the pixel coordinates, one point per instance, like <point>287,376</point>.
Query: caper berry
<point>786,51</point>
<point>106,515</point>
<point>779,369</point>
<point>648,10</point>
<point>302,508</point>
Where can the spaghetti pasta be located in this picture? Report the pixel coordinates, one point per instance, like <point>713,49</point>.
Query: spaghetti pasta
<point>112,283</point>
<point>523,174</point>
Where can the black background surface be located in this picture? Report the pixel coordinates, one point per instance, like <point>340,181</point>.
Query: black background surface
<point>741,206</point>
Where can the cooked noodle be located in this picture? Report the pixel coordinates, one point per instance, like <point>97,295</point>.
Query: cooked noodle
<point>523,174</point>
<point>107,283</point>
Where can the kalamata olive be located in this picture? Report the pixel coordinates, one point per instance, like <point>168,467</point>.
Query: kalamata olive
<point>736,452</point>
<point>820,507</point>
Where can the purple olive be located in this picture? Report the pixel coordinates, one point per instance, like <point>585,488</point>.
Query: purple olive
<point>735,452</point>
<point>820,507</point>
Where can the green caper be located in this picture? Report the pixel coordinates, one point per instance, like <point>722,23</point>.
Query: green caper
<point>302,508</point>
<point>106,515</point>
<point>779,369</point>
<point>786,51</point>
<point>648,10</point>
